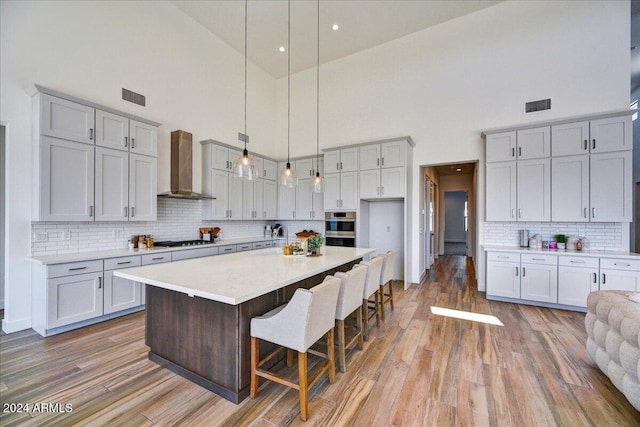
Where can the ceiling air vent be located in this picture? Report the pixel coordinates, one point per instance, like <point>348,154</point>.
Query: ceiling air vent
<point>136,98</point>
<point>533,106</point>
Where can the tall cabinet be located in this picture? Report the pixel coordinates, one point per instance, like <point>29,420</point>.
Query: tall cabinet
<point>91,163</point>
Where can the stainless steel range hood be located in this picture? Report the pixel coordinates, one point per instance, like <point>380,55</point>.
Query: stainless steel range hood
<point>182,168</point>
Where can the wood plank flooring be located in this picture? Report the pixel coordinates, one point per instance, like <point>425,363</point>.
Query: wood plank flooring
<point>417,369</point>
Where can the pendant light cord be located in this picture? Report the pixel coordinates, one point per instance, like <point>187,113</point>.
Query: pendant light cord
<point>246,8</point>
<point>318,97</point>
<point>288,82</point>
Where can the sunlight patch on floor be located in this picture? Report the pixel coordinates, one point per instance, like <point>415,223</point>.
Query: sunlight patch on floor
<point>466,315</point>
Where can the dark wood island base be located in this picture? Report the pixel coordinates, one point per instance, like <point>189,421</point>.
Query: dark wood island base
<point>206,341</point>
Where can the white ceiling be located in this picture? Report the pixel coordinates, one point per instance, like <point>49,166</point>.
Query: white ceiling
<point>363,24</point>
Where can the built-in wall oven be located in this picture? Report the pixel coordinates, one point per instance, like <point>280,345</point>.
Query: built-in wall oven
<point>340,229</point>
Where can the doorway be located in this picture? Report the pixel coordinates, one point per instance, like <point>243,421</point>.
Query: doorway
<point>3,186</point>
<point>456,222</point>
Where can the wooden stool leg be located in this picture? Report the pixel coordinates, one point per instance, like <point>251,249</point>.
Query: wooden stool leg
<point>289,357</point>
<point>359,325</point>
<point>379,308</point>
<point>331,356</point>
<point>304,390</point>
<point>381,292</point>
<point>391,293</point>
<point>342,357</point>
<point>365,309</point>
<point>255,354</point>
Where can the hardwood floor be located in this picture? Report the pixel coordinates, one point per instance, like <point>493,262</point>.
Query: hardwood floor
<point>417,369</point>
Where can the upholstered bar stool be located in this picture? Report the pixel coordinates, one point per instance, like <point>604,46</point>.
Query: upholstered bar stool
<point>372,289</point>
<point>386,278</point>
<point>349,302</point>
<point>297,326</point>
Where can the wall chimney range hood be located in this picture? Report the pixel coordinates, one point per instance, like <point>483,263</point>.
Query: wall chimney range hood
<point>182,168</point>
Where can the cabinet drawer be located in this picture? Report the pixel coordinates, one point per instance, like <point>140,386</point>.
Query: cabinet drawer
<point>122,262</point>
<point>193,253</point>
<point>503,256</point>
<point>244,247</point>
<point>620,264</point>
<point>570,261</point>
<point>156,258</point>
<point>72,268</point>
<point>539,259</point>
<point>227,249</point>
<point>258,245</point>
<point>268,244</point>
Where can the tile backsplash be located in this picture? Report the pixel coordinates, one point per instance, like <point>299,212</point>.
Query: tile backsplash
<point>601,235</point>
<point>177,220</point>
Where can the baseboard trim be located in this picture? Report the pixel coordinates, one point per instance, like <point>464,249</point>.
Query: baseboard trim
<point>16,326</point>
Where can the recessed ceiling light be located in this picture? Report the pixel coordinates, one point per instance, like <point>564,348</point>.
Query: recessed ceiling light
<point>335,27</point>
<point>281,49</point>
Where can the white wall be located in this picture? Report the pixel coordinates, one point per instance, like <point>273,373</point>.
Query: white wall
<point>445,85</point>
<point>454,216</point>
<point>192,81</point>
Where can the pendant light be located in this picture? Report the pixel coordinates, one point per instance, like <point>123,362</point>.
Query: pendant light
<point>244,166</point>
<point>288,175</point>
<point>317,183</point>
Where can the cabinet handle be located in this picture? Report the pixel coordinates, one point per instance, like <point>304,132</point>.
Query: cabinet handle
<point>604,278</point>
<point>585,212</point>
<point>294,214</point>
<point>337,203</point>
<point>378,161</point>
<point>519,213</point>
<point>133,211</point>
<point>99,282</point>
<point>513,152</point>
<point>126,141</point>
<point>595,277</point>
<point>230,213</point>
<point>264,172</point>
<point>124,262</point>
<point>340,165</point>
<point>576,262</point>
<point>310,172</point>
<point>90,211</point>
<point>381,191</point>
<point>619,264</point>
<point>593,146</point>
<point>586,146</point>
<point>125,213</point>
<point>158,258</point>
<point>133,143</point>
<point>77,268</point>
<point>91,133</point>
<point>519,151</point>
<point>593,212</point>
<point>516,271</point>
<point>378,190</point>
<point>503,257</point>
<point>537,259</point>
<point>513,213</point>
<point>383,161</point>
<point>523,271</point>
<point>337,166</point>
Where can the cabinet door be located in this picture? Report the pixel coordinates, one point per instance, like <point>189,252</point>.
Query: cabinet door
<point>64,119</point>
<point>270,199</point>
<point>331,191</point>
<point>619,279</point>
<point>349,159</point>
<point>534,143</point>
<point>143,178</point>
<point>304,199</point>
<point>503,279</point>
<point>270,170</point>
<point>286,203</point>
<point>112,131</point>
<point>610,184</point>
<point>501,191</point>
<point>304,168</point>
<point>369,157</point>
<point>247,198</point>
<point>570,139</point>
<point>393,182</point>
<point>72,299</point>
<point>613,134</point>
<point>258,198</point>
<point>539,282</point>
<point>67,180</point>
<point>370,184</point>
<point>220,157</point>
<point>349,191</point>
<point>112,185</point>
<point>534,190</point>
<point>235,196</point>
<point>317,205</point>
<point>501,147</point>
<point>575,284</point>
<point>332,162</point>
<point>143,138</point>
<point>570,188</point>
<point>119,293</point>
<point>393,154</point>
<point>259,161</point>
<point>216,185</point>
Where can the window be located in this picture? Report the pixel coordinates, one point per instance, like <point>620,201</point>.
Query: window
<point>634,106</point>
<point>466,217</point>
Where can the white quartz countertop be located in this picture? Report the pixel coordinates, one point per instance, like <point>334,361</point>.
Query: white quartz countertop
<point>239,277</point>
<point>563,252</point>
<point>116,253</point>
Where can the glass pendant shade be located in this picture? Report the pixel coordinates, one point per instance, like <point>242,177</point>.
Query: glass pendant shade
<point>289,177</point>
<point>317,184</point>
<point>245,167</point>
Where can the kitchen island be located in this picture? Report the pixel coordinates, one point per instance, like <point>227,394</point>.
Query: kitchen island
<point>198,312</point>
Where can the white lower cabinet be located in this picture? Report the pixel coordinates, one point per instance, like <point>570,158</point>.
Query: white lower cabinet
<point>74,298</point>
<point>577,277</point>
<point>120,294</point>
<point>619,274</point>
<point>503,274</point>
<point>539,278</point>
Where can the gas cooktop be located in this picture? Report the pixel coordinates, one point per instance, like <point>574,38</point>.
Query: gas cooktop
<point>171,243</point>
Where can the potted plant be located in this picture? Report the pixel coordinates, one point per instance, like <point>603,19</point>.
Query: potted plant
<point>314,243</point>
<point>562,241</point>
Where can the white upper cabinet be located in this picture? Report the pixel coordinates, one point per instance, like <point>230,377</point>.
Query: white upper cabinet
<point>143,178</point>
<point>344,160</point>
<point>393,154</point>
<point>112,185</point>
<point>112,131</point>
<point>304,167</point>
<point>369,157</point>
<point>501,147</point>
<point>610,184</point>
<point>349,191</point>
<point>533,143</point>
<point>534,190</point>
<point>65,185</point>
<point>143,138</point>
<point>570,139</point>
<point>612,134</point>
<point>501,191</point>
<point>570,195</point>
<point>270,202</point>
<point>382,172</point>
<point>219,157</point>
<point>64,119</point>
<point>270,171</point>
